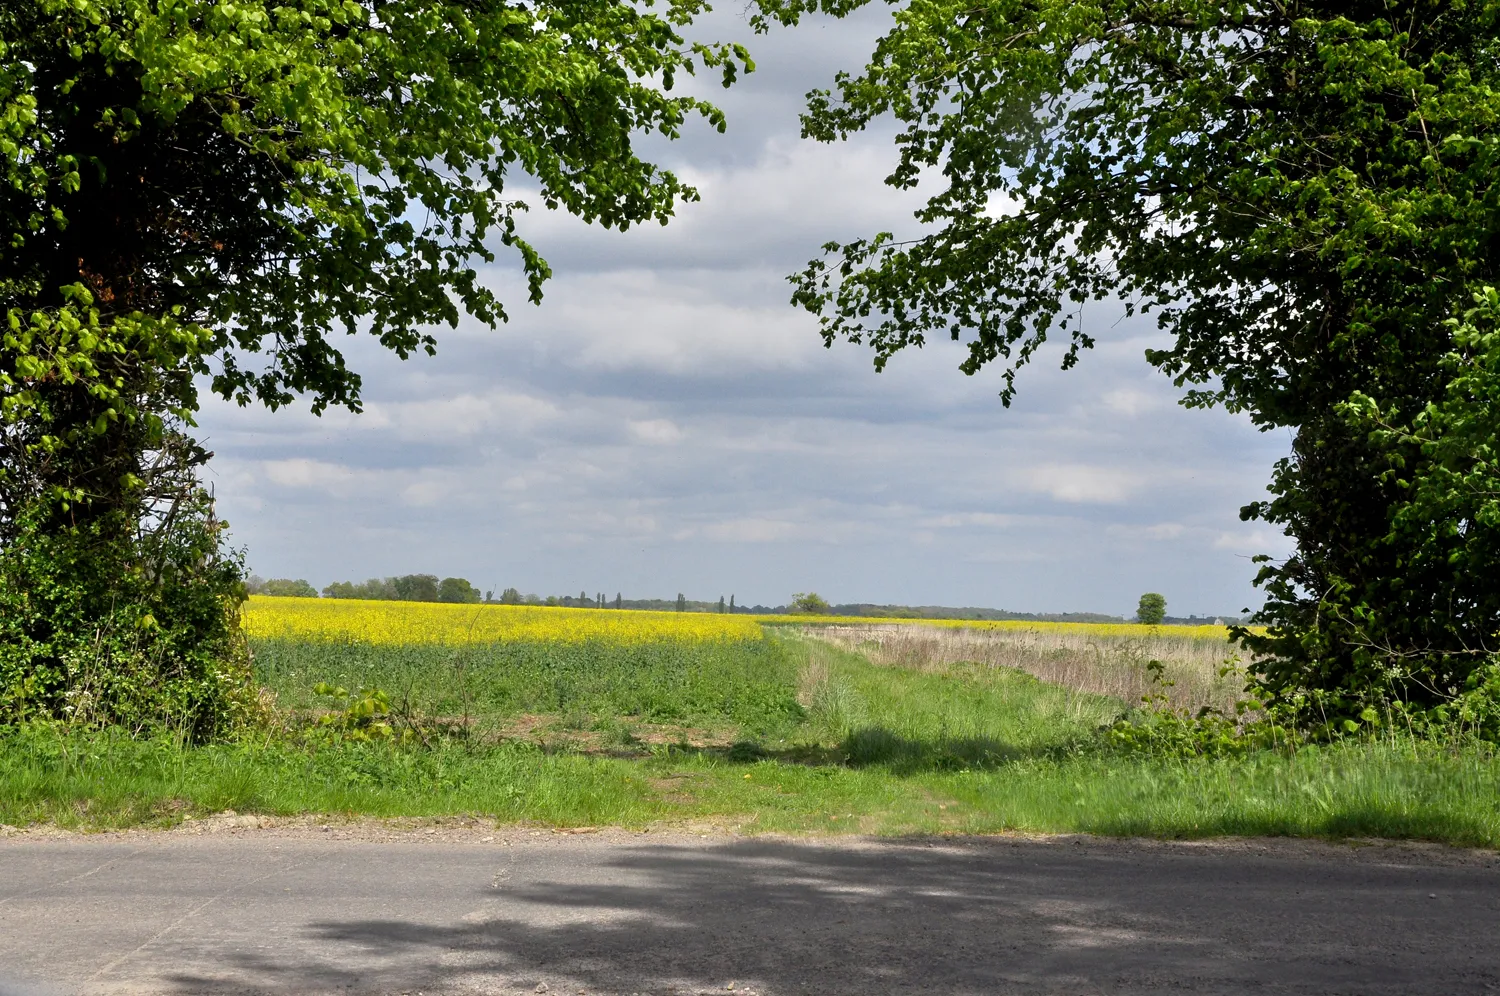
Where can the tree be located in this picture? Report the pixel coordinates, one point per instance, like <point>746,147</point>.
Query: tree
<point>681,602</point>
<point>457,590</point>
<point>374,588</point>
<point>731,604</point>
<point>1152,609</point>
<point>287,588</point>
<point>810,603</point>
<point>619,601</point>
<point>416,587</point>
<point>510,596</point>
<point>204,193</point>
<point>1302,194</point>
<point>722,607</point>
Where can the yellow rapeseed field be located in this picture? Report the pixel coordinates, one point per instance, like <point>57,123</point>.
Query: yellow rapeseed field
<point>1127,630</point>
<point>390,623</point>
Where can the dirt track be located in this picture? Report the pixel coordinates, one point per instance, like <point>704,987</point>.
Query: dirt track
<point>463,909</point>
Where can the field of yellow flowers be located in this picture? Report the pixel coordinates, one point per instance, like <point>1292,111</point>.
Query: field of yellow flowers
<point>1127,631</point>
<point>422,623</point>
<point>707,669</point>
<point>496,666</point>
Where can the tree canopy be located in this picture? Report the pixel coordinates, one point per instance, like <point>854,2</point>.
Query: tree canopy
<point>1303,195</point>
<point>202,191</point>
<point>231,181</point>
<point>1152,609</point>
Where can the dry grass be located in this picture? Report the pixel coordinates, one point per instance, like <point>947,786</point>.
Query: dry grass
<point>1088,662</point>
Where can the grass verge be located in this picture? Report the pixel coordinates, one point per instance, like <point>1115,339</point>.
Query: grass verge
<point>869,749</point>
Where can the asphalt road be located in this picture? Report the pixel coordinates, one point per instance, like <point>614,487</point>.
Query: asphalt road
<point>310,911</point>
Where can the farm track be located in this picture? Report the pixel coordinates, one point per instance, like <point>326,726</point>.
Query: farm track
<point>228,906</point>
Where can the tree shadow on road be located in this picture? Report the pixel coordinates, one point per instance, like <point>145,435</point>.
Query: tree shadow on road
<point>917,916</point>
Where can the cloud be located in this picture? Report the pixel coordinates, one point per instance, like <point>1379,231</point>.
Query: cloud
<point>1252,541</point>
<point>1083,483</point>
<point>425,492</point>
<point>656,431</point>
<point>959,520</point>
<point>1130,401</point>
<point>311,475</point>
<point>463,415</point>
<point>1157,533</point>
<point>744,531</point>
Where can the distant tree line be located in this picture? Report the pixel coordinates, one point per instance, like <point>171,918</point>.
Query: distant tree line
<point>281,587</point>
<point>408,588</point>
<point>428,588</point>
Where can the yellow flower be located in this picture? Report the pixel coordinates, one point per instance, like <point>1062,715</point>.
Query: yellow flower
<point>396,623</point>
<point>1018,625</point>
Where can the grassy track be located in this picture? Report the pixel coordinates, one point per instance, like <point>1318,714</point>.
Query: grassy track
<point>785,734</point>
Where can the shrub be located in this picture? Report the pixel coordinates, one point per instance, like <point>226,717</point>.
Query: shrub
<point>102,627</point>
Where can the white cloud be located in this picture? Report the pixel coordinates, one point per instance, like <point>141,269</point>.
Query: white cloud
<point>425,492</point>
<point>1131,401</point>
<point>461,415</point>
<point>311,475</point>
<point>1084,483</point>
<point>656,431</point>
<point>1252,541</point>
<point>748,530</point>
<point>1160,531</point>
<point>674,322</point>
<point>959,520</point>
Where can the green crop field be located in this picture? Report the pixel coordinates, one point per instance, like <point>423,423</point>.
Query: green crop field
<point>886,731</point>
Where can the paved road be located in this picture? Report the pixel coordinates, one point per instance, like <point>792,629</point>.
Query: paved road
<point>308,912</point>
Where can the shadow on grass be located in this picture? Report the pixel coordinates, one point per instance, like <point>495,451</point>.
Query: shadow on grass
<point>869,746</point>
<point>877,746</point>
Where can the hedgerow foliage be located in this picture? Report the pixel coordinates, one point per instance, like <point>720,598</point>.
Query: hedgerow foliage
<point>124,620</point>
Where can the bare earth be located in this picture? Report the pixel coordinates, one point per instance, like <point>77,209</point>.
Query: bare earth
<point>230,906</point>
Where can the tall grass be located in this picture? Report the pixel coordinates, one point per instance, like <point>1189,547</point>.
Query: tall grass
<point>1372,789</point>
<point>966,716</point>
<point>1097,662</point>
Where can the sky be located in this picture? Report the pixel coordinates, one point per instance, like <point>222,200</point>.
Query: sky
<point>666,422</point>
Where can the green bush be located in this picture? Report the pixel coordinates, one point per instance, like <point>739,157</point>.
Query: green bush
<point>104,626</point>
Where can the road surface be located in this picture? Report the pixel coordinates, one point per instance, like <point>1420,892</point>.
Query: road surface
<point>469,910</point>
